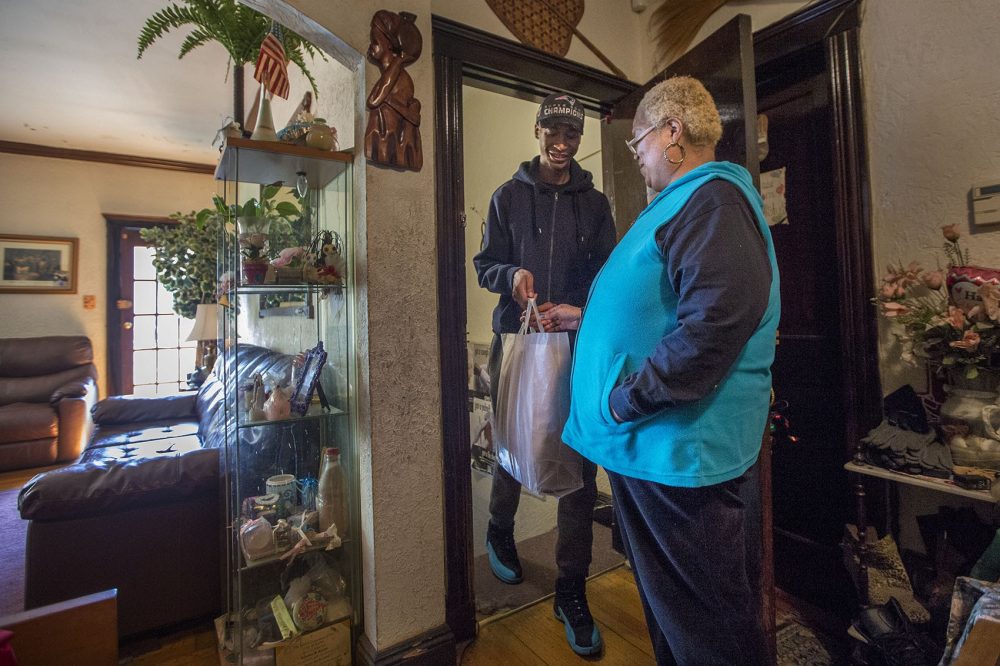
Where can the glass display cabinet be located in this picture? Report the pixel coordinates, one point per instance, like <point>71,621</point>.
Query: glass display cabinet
<point>287,367</point>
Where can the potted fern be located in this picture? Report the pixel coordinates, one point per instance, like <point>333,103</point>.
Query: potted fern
<point>238,28</point>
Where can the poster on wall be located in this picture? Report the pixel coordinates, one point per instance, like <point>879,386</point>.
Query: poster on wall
<point>481,435</point>
<point>38,264</point>
<point>772,190</point>
<point>479,376</point>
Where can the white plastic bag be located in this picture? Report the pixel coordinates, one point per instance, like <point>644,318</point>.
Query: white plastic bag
<point>532,408</point>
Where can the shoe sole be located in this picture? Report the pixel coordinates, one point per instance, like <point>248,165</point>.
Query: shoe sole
<point>502,573</point>
<point>579,649</point>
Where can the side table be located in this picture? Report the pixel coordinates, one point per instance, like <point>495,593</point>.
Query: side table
<point>861,470</point>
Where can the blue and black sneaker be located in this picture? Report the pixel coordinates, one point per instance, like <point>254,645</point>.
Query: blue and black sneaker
<point>571,608</point>
<point>503,555</point>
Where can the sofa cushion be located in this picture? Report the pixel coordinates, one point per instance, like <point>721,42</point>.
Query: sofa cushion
<point>125,451</point>
<point>22,421</point>
<point>30,357</point>
<point>108,485</point>
<point>125,433</point>
<point>134,409</point>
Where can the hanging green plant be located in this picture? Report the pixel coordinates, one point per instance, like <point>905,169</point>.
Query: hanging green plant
<point>185,256</point>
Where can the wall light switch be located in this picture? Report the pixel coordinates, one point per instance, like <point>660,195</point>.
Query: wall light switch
<point>89,302</point>
<point>985,203</point>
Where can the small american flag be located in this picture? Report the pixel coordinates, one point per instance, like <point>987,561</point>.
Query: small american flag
<point>272,71</point>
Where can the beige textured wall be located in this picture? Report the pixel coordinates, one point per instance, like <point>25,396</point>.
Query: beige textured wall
<point>55,197</point>
<point>932,90</point>
<point>403,522</point>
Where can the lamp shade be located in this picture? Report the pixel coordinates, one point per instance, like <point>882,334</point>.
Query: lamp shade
<point>206,326</point>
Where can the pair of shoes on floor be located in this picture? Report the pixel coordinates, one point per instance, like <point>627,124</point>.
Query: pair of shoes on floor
<point>887,638</point>
<point>570,607</point>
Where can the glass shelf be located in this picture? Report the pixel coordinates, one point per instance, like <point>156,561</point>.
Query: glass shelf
<point>271,559</point>
<point>288,288</point>
<point>315,411</point>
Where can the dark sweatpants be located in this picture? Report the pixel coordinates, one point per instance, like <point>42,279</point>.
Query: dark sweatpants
<point>689,554</point>
<point>575,517</point>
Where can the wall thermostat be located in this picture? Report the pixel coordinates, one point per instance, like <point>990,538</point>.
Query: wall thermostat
<point>986,203</point>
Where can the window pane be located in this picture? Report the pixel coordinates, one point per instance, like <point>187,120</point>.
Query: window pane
<point>144,332</point>
<point>166,365</point>
<point>185,330</point>
<point>144,298</point>
<point>144,389</point>
<point>143,367</point>
<point>166,330</point>
<point>164,301</point>
<point>142,264</point>
<point>187,362</point>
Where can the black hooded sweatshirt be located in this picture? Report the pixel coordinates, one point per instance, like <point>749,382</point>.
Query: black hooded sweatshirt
<point>561,233</point>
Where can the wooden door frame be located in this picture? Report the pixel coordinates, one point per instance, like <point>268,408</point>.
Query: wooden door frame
<point>460,52</point>
<point>834,25</point>
<point>502,65</point>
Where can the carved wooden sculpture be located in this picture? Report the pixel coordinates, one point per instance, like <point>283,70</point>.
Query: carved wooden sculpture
<point>392,137</point>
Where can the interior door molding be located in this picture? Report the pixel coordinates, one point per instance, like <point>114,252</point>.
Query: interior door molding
<point>834,26</point>
<point>464,54</point>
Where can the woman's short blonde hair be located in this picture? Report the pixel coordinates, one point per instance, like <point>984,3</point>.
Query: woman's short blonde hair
<point>686,99</point>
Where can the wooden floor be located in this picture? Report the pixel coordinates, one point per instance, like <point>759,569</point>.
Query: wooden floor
<point>530,636</point>
<point>533,635</point>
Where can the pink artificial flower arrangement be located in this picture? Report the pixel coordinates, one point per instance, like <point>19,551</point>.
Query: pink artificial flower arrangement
<point>948,317</point>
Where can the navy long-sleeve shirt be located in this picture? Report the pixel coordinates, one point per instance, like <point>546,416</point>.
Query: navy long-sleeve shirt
<point>717,264</point>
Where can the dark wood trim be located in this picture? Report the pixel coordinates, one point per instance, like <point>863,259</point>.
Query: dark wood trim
<point>465,54</point>
<point>805,28</point>
<point>486,55</point>
<point>859,335</point>
<point>431,648</point>
<point>460,607</point>
<point>35,150</point>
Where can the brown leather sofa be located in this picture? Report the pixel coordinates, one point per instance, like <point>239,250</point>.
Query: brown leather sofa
<point>47,388</point>
<point>142,511</point>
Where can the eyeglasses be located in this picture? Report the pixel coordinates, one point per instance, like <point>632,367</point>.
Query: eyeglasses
<point>633,142</point>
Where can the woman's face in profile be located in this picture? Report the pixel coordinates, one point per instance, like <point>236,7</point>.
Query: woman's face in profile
<point>648,152</point>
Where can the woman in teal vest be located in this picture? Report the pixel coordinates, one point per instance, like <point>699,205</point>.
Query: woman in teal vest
<point>671,380</point>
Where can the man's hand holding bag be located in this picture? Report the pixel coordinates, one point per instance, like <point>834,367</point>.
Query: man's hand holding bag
<point>531,410</point>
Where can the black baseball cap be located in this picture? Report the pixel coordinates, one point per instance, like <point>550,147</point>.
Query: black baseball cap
<point>560,108</point>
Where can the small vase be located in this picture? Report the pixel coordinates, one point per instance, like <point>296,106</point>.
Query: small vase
<point>254,272</point>
<point>321,136</point>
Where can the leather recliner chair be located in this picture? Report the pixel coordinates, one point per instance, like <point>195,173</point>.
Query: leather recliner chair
<point>47,387</point>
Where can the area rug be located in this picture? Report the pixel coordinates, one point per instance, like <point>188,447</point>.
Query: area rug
<point>12,534</point>
<point>538,560</point>
<point>802,645</point>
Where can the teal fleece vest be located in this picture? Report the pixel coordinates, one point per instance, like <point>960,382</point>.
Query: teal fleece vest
<point>631,307</point>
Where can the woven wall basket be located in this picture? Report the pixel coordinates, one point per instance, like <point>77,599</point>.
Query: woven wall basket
<point>534,23</point>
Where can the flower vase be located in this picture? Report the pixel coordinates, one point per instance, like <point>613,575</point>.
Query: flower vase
<point>254,272</point>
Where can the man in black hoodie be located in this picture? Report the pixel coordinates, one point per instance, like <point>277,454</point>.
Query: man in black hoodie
<point>548,232</point>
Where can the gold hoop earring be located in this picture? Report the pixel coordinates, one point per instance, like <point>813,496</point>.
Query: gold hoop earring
<point>667,157</point>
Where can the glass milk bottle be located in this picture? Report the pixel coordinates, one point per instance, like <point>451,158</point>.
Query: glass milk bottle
<point>330,493</point>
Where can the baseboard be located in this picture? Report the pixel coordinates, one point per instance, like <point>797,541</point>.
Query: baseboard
<point>431,648</point>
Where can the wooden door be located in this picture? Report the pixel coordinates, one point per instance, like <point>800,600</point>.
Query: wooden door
<point>147,350</point>
<point>724,62</point>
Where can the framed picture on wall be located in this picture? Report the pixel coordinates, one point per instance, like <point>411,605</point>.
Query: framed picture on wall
<point>38,264</point>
